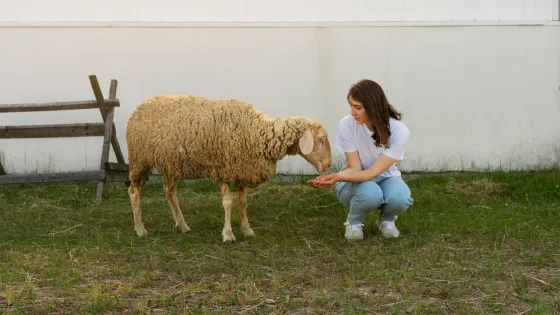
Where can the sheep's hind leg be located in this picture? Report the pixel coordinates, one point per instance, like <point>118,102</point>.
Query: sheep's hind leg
<point>242,199</point>
<point>171,194</point>
<point>227,202</point>
<point>134,194</point>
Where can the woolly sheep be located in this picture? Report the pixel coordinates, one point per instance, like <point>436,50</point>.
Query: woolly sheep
<point>190,137</point>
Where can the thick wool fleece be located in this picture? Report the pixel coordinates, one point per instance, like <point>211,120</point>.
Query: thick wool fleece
<point>196,137</point>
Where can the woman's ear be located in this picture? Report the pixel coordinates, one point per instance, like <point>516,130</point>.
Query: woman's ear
<point>306,142</point>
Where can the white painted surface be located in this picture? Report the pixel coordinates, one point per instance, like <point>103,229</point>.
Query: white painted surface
<point>472,96</point>
<point>277,10</point>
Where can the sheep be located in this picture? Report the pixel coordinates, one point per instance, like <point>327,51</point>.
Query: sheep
<point>226,141</point>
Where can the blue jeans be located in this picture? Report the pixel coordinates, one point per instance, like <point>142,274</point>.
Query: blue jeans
<point>390,194</point>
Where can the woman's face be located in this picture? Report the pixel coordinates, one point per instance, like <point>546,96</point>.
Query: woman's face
<point>357,111</point>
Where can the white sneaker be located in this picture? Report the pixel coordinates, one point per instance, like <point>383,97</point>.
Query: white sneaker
<point>387,228</point>
<point>354,231</point>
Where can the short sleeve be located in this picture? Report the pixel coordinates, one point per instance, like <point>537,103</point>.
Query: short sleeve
<point>344,138</point>
<point>399,139</point>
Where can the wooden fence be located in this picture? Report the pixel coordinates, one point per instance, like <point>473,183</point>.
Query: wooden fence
<point>108,172</point>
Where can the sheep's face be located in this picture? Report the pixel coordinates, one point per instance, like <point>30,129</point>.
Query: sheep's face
<point>315,147</point>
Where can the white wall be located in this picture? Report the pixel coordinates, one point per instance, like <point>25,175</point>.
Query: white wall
<point>472,96</point>
<point>277,10</point>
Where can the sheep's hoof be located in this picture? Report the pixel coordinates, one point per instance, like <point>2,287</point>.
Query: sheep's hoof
<point>228,236</point>
<point>183,228</point>
<point>141,231</point>
<point>247,231</point>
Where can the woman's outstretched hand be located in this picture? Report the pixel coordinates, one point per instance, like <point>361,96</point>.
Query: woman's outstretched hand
<point>324,181</point>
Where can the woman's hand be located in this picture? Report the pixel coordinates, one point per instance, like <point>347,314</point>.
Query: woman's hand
<point>314,182</point>
<point>325,181</point>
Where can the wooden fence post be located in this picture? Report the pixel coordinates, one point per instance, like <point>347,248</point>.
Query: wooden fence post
<point>108,172</point>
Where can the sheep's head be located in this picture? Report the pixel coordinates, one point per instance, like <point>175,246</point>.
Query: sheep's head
<point>314,146</point>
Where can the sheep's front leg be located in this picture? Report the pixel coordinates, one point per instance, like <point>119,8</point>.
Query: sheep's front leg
<point>242,199</point>
<point>171,194</point>
<point>227,202</point>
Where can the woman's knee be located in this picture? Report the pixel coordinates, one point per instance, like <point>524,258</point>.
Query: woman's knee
<point>396,193</point>
<point>399,202</point>
<point>369,195</point>
<point>343,193</point>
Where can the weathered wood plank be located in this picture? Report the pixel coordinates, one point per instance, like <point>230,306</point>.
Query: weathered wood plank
<point>53,177</point>
<point>116,167</point>
<point>98,96</point>
<point>52,131</point>
<point>105,149</point>
<point>116,176</point>
<point>113,89</point>
<point>114,140</point>
<point>38,107</point>
<point>108,131</point>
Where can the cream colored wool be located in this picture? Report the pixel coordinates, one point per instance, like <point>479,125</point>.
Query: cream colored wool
<point>190,137</point>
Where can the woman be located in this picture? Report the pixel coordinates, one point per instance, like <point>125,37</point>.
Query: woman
<point>373,139</point>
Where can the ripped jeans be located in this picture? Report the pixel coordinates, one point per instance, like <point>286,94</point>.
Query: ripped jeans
<point>390,194</point>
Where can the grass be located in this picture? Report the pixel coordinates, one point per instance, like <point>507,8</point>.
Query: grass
<point>471,244</point>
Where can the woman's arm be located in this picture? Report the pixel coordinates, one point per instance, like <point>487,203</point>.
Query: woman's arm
<point>354,172</point>
<point>354,163</point>
<point>382,164</point>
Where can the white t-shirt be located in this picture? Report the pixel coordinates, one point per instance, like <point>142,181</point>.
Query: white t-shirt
<point>354,137</point>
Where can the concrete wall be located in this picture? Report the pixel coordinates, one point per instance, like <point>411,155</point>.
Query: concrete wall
<point>276,10</point>
<point>473,96</point>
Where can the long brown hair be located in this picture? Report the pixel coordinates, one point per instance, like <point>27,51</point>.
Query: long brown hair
<point>378,109</point>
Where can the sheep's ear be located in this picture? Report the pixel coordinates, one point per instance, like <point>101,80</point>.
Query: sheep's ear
<point>306,142</point>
